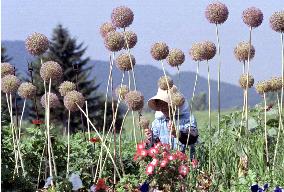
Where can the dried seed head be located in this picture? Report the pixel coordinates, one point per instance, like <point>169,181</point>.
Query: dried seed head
<point>241,51</point>
<point>106,28</point>
<point>134,100</point>
<point>243,81</point>
<point>114,41</point>
<point>27,90</point>
<point>53,100</point>
<point>130,39</point>
<point>37,44</point>
<point>159,51</point>
<point>197,51</point>
<point>174,89</point>
<point>6,69</point>
<point>123,62</point>
<point>66,87</point>
<point>277,21</point>
<point>216,13</point>
<point>262,87</point>
<point>10,84</point>
<point>204,182</point>
<point>121,91</point>
<point>165,82</point>
<point>73,98</point>
<point>210,50</point>
<point>122,17</point>
<point>252,17</point>
<point>176,57</point>
<point>275,84</point>
<point>177,99</point>
<point>51,70</point>
<point>144,122</point>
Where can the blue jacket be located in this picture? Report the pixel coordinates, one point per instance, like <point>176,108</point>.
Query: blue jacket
<point>185,123</point>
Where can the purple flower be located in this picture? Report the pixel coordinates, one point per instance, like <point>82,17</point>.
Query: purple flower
<point>278,189</point>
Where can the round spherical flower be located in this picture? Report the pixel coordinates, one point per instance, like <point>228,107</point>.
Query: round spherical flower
<point>53,100</point>
<point>209,50</point>
<point>216,13</point>
<point>154,162</point>
<point>114,41</point>
<point>159,51</point>
<point>262,87</point>
<point>144,122</point>
<point>130,39</point>
<point>197,51</point>
<point>106,28</point>
<point>275,83</point>
<point>150,169</point>
<point>252,17</point>
<point>125,62</point>
<point>165,83</point>
<point>121,91</point>
<point>243,81</point>
<point>176,57</point>
<point>66,87</point>
<point>51,70</point>
<point>27,90</point>
<point>177,99</point>
<point>277,21</point>
<point>72,99</point>
<point>242,51</point>
<point>134,100</point>
<point>122,17</point>
<point>10,84</point>
<point>183,170</point>
<point>6,69</point>
<point>37,44</point>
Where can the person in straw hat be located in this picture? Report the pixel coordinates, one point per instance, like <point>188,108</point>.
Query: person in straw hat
<point>166,123</point>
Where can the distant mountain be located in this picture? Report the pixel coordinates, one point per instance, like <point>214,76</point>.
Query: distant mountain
<point>146,79</point>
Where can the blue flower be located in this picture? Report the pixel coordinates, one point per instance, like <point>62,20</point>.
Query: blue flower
<point>254,188</point>
<point>144,187</point>
<point>278,189</point>
<point>265,186</point>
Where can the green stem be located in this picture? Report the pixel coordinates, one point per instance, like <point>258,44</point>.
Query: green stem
<point>219,77</point>
<point>265,132</point>
<point>68,144</point>
<point>209,114</point>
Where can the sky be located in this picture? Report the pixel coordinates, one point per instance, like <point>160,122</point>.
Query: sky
<point>178,23</point>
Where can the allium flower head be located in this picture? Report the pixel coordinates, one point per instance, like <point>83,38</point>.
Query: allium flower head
<point>241,51</point>
<point>183,170</point>
<point>6,69</point>
<point>53,100</point>
<point>252,17</point>
<point>122,17</point>
<point>66,87</point>
<point>159,51</point>
<point>165,82</point>
<point>51,70</point>
<point>134,100</point>
<point>176,57</point>
<point>106,28</point>
<point>275,83</point>
<point>124,62</point>
<point>277,21</point>
<point>144,122</point>
<point>197,51</point>
<point>37,44</point>
<point>177,99</point>
<point>121,91</point>
<point>262,87</point>
<point>209,50</point>
<point>72,99</point>
<point>130,39</point>
<point>27,90</point>
<point>243,81</point>
<point>10,84</point>
<point>216,13</point>
<point>114,41</point>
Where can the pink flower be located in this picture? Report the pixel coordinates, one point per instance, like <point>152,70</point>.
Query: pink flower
<point>153,151</point>
<point>183,170</point>
<point>142,152</point>
<point>135,157</point>
<point>165,154</point>
<point>150,169</point>
<point>164,163</point>
<point>154,162</point>
<point>157,145</point>
<point>194,163</point>
<point>166,146</point>
<point>140,146</point>
<point>171,157</point>
<point>181,156</point>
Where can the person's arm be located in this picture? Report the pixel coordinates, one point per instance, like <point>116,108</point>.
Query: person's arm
<point>152,136</point>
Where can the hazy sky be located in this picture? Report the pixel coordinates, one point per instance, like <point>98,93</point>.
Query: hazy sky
<point>178,23</point>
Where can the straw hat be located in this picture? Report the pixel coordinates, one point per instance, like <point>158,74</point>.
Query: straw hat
<point>162,95</point>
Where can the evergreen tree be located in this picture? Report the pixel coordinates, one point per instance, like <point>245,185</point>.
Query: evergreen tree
<point>200,102</point>
<point>4,56</point>
<point>65,50</point>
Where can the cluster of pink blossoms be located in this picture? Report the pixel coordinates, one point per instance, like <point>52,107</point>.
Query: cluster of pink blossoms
<point>161,157</point>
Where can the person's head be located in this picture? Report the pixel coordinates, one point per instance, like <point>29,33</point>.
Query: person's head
<point>162,106</point>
